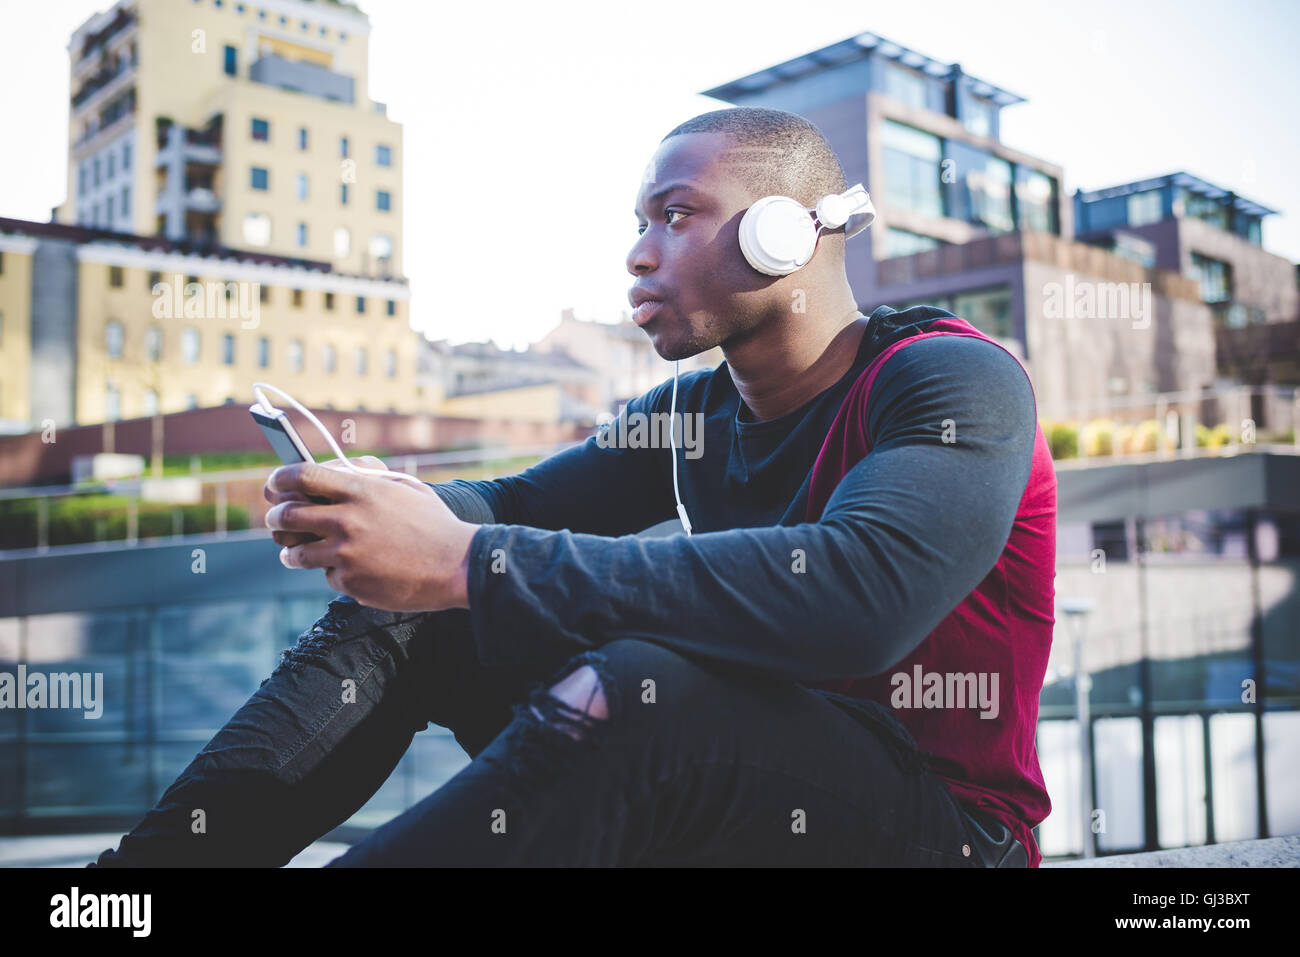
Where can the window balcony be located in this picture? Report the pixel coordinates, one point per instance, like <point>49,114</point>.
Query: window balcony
<point>300,77</point>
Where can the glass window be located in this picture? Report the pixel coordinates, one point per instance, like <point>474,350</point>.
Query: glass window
<point>977,115</point>
<point>228,349</point>
<point>302,137</point>
<point>391,307</point>
<point>1211,211</point>
<point>231,65</point>
<point>153,343</point>
<point>112,402</point>
<point>1036,200</point>
<point>383,200</point>
<point>112,165</point>
<point>342,242</point>
<point>263,352</point>
<point>261,130</point>
<point>115,276</point>
<point>329,300</point>
<point>191,401</point>
<point>900,242</point>
<point>295,355</point>
<point>383,156</point>
<point>329,357</point>
<point>257,229</point>
<point>126,201</point>
<point>361,360</point>
<point>912,166</point>
<point>300,185</point>
<point>343,147</point>
<point>190,346</point>
<point>343,194</point>
<point>260,178</point>
<point>149,402</point>
<point>1214,276</point>
<point>297,298</point>
<point>302,235</point>
<point>113,339</point>
<point>361,305</point>
<point>1145,208</point>
<point>381,246</point>
<point>126,156</point>
<point>390,363</point>
<point>904,85</point>
<point>988,310</point>
<point>996,211</point>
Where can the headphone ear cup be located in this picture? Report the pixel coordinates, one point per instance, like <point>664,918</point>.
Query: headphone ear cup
<point>777,235</point>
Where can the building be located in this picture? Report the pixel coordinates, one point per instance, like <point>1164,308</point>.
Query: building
<point>623,353</point>
<point>97,326</point>
<point>239,125</point>
<point>217,151</point>
<point>971,224</point>
<point>481,380</point>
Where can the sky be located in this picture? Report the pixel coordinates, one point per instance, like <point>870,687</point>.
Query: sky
<point>528,126</point>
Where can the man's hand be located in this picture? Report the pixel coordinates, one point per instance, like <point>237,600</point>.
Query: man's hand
<point>383,542</point>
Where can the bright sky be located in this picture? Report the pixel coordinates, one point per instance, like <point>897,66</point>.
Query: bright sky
<point>528,125</point>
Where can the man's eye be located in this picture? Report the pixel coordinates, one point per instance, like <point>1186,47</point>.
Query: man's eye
<point>672,212</point>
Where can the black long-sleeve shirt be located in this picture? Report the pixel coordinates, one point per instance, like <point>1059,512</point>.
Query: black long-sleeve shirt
<point>908,533</point>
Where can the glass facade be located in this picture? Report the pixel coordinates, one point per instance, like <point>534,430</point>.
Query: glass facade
<point>1214,276</point>
<point>900,242</point>
<point>906,86</point>
<point>1036,200</point>
<point>172,676</point>
<point>912,166</point>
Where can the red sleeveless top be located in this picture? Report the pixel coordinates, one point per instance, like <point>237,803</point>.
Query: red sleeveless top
<point>1003,627</point>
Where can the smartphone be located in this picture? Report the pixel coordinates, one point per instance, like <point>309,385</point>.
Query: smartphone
<point>284,439</point>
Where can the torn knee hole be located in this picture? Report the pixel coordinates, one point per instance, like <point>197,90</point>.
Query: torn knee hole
<point>574,704</point>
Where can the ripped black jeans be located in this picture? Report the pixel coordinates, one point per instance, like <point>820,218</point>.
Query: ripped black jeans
<point>693,764</point>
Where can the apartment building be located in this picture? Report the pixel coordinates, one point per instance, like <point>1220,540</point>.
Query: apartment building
<point>98,326</point>
<point>236,125</point>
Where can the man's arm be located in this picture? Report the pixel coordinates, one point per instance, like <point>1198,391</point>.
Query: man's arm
<point>584,488</point>
<point>908,533</point>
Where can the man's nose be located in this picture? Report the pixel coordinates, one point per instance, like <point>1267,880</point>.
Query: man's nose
<point>642,258</point>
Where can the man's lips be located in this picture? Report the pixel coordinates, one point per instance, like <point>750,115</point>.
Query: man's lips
<point>646,311</point>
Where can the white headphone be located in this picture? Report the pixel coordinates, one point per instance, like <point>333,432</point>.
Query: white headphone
<point>778,236</point>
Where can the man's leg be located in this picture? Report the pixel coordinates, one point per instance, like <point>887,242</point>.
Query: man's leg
<point>634,755</point>
<point>321,735</point>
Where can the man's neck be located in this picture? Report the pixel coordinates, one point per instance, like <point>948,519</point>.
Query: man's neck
<point>791,364</point>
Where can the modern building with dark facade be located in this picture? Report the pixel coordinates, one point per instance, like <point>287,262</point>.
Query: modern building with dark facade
<point>971,224</point>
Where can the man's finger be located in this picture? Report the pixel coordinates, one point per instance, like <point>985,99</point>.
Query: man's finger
<point>311,479</point>
<point>309,555</point>
<point>318,520</point>
<point>293,538</point>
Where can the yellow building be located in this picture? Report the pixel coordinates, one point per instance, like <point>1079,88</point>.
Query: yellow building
<point>97,326</point>
<point>240,125</point>
<point>233,215</point>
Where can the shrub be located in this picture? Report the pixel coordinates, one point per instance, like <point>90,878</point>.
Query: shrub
<point>1098,437</point>
<point>1062,439</point>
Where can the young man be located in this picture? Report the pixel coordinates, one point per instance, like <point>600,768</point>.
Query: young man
<point>841,665</point>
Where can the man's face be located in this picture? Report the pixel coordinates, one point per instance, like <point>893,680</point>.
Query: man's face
<point>688,212</point>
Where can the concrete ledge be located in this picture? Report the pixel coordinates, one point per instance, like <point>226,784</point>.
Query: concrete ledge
<point>1272,852</point>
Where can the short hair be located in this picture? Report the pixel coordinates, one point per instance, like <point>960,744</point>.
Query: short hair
<point>778,153</point>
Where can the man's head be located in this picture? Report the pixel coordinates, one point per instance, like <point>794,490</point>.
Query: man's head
<point>706,173</point>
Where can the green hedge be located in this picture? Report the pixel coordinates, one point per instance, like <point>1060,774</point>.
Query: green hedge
<point>91,518</point>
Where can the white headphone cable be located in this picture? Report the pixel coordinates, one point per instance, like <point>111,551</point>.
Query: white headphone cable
<point>347,462</point>
<point>672,443</point>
